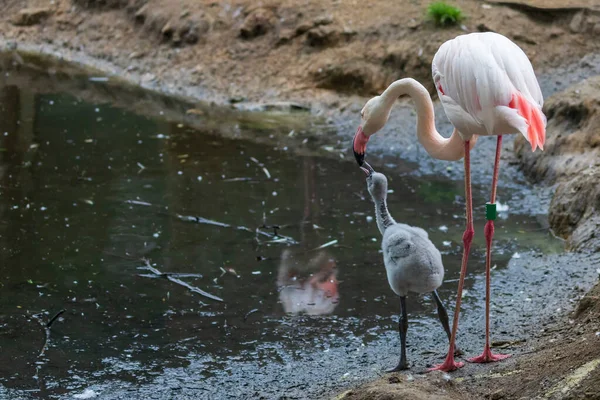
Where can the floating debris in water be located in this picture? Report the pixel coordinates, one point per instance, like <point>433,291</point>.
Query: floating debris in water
<point>443,228</point>
<point>326,244</point>
<point>199,178</point>
<point>256,272</point>
<point>369,218</point>
<point>266,171</point>
<point>173,279</point>
<point>139,203</point>
<point>446,243</point>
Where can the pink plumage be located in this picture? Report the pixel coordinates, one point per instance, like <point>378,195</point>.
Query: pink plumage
<point>487,86</point>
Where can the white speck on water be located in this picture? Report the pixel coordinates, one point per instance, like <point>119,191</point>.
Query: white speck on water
<point>42,208</point>
<point>369,218</point>
<point>97,109</point>
<point>157,234</point>
<point>391,191</point>
<point>86,394</point>
<point>516,255</point>
<point>179,172</point>
<point>443,228</point>
<point>274,193</point>
<point>446,243</point>
<point>199,178</point>
<point>373,239</point>
<point>51,102</point>
<point>256,272</point>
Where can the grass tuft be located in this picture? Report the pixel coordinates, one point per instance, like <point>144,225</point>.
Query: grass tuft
<point>444,14</point>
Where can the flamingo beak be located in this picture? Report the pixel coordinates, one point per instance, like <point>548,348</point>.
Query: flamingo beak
<point>359,146</point>
<point>367,169</point>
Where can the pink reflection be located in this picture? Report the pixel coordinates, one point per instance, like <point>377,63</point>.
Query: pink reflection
<point>307,283</point>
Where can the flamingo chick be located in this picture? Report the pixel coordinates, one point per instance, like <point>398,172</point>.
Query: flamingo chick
<point>412,261</point>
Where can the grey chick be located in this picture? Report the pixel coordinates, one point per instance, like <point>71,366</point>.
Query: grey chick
<point>412,262</point>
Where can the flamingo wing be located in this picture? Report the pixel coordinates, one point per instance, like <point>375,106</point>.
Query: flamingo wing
<point>487,87</point>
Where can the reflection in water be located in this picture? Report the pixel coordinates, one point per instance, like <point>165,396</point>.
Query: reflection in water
<point>307,283</point>
<point>307,279</point>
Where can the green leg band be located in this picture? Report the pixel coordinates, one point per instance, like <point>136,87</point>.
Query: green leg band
<point>490,211</point>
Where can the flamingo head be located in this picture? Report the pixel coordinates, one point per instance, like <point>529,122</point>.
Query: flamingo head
<point>374,116</point>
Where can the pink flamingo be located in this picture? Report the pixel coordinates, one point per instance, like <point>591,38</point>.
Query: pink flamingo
<point>488,88</point>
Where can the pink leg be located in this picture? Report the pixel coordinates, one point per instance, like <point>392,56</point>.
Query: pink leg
<point>449,364</point>
<point>487,355</point>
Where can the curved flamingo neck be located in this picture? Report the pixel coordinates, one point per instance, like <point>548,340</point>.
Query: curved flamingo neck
<point>436,145</point>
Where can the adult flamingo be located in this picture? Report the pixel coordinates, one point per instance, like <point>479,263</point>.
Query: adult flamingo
<point>488,88</point>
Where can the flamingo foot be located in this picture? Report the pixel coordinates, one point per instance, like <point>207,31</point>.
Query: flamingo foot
<point>400,367</point>
<point>448,365</point>
<point>487,357</point>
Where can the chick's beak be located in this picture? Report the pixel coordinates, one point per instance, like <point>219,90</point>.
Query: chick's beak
<point>359,145</point>
<point>367,169</point>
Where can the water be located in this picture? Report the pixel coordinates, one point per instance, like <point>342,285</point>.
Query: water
<point>91,194</point>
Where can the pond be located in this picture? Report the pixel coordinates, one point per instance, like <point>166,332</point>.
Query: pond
<point>137,227</point>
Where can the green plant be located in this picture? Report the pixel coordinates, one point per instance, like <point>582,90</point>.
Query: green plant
<point>444,14</point>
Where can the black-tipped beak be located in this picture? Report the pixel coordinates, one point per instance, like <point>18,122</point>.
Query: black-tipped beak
<point>359,146</point>
<point>360,158</point>
<point>367,169</point>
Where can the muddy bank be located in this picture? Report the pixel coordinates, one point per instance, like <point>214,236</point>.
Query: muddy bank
<point>315,52</point>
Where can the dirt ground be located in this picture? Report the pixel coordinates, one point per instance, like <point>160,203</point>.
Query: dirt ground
<point>561,363</point>
<point>285,49</point>
<point>310,52</point>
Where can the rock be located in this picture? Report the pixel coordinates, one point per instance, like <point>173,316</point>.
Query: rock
<point>257,23</point>
<point>323,36</point>
<point>596,29</point>
<point>484,28</point>
<point>328,35</point>
<point>555,32</point>
<point>571,160</point>
<point>577,24</point>
<point>285,36</point>
<point>323,20</point>
<point>31,16</point>
<point>303,27</point>
<point>354,76</point>
<point>523,38</point>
